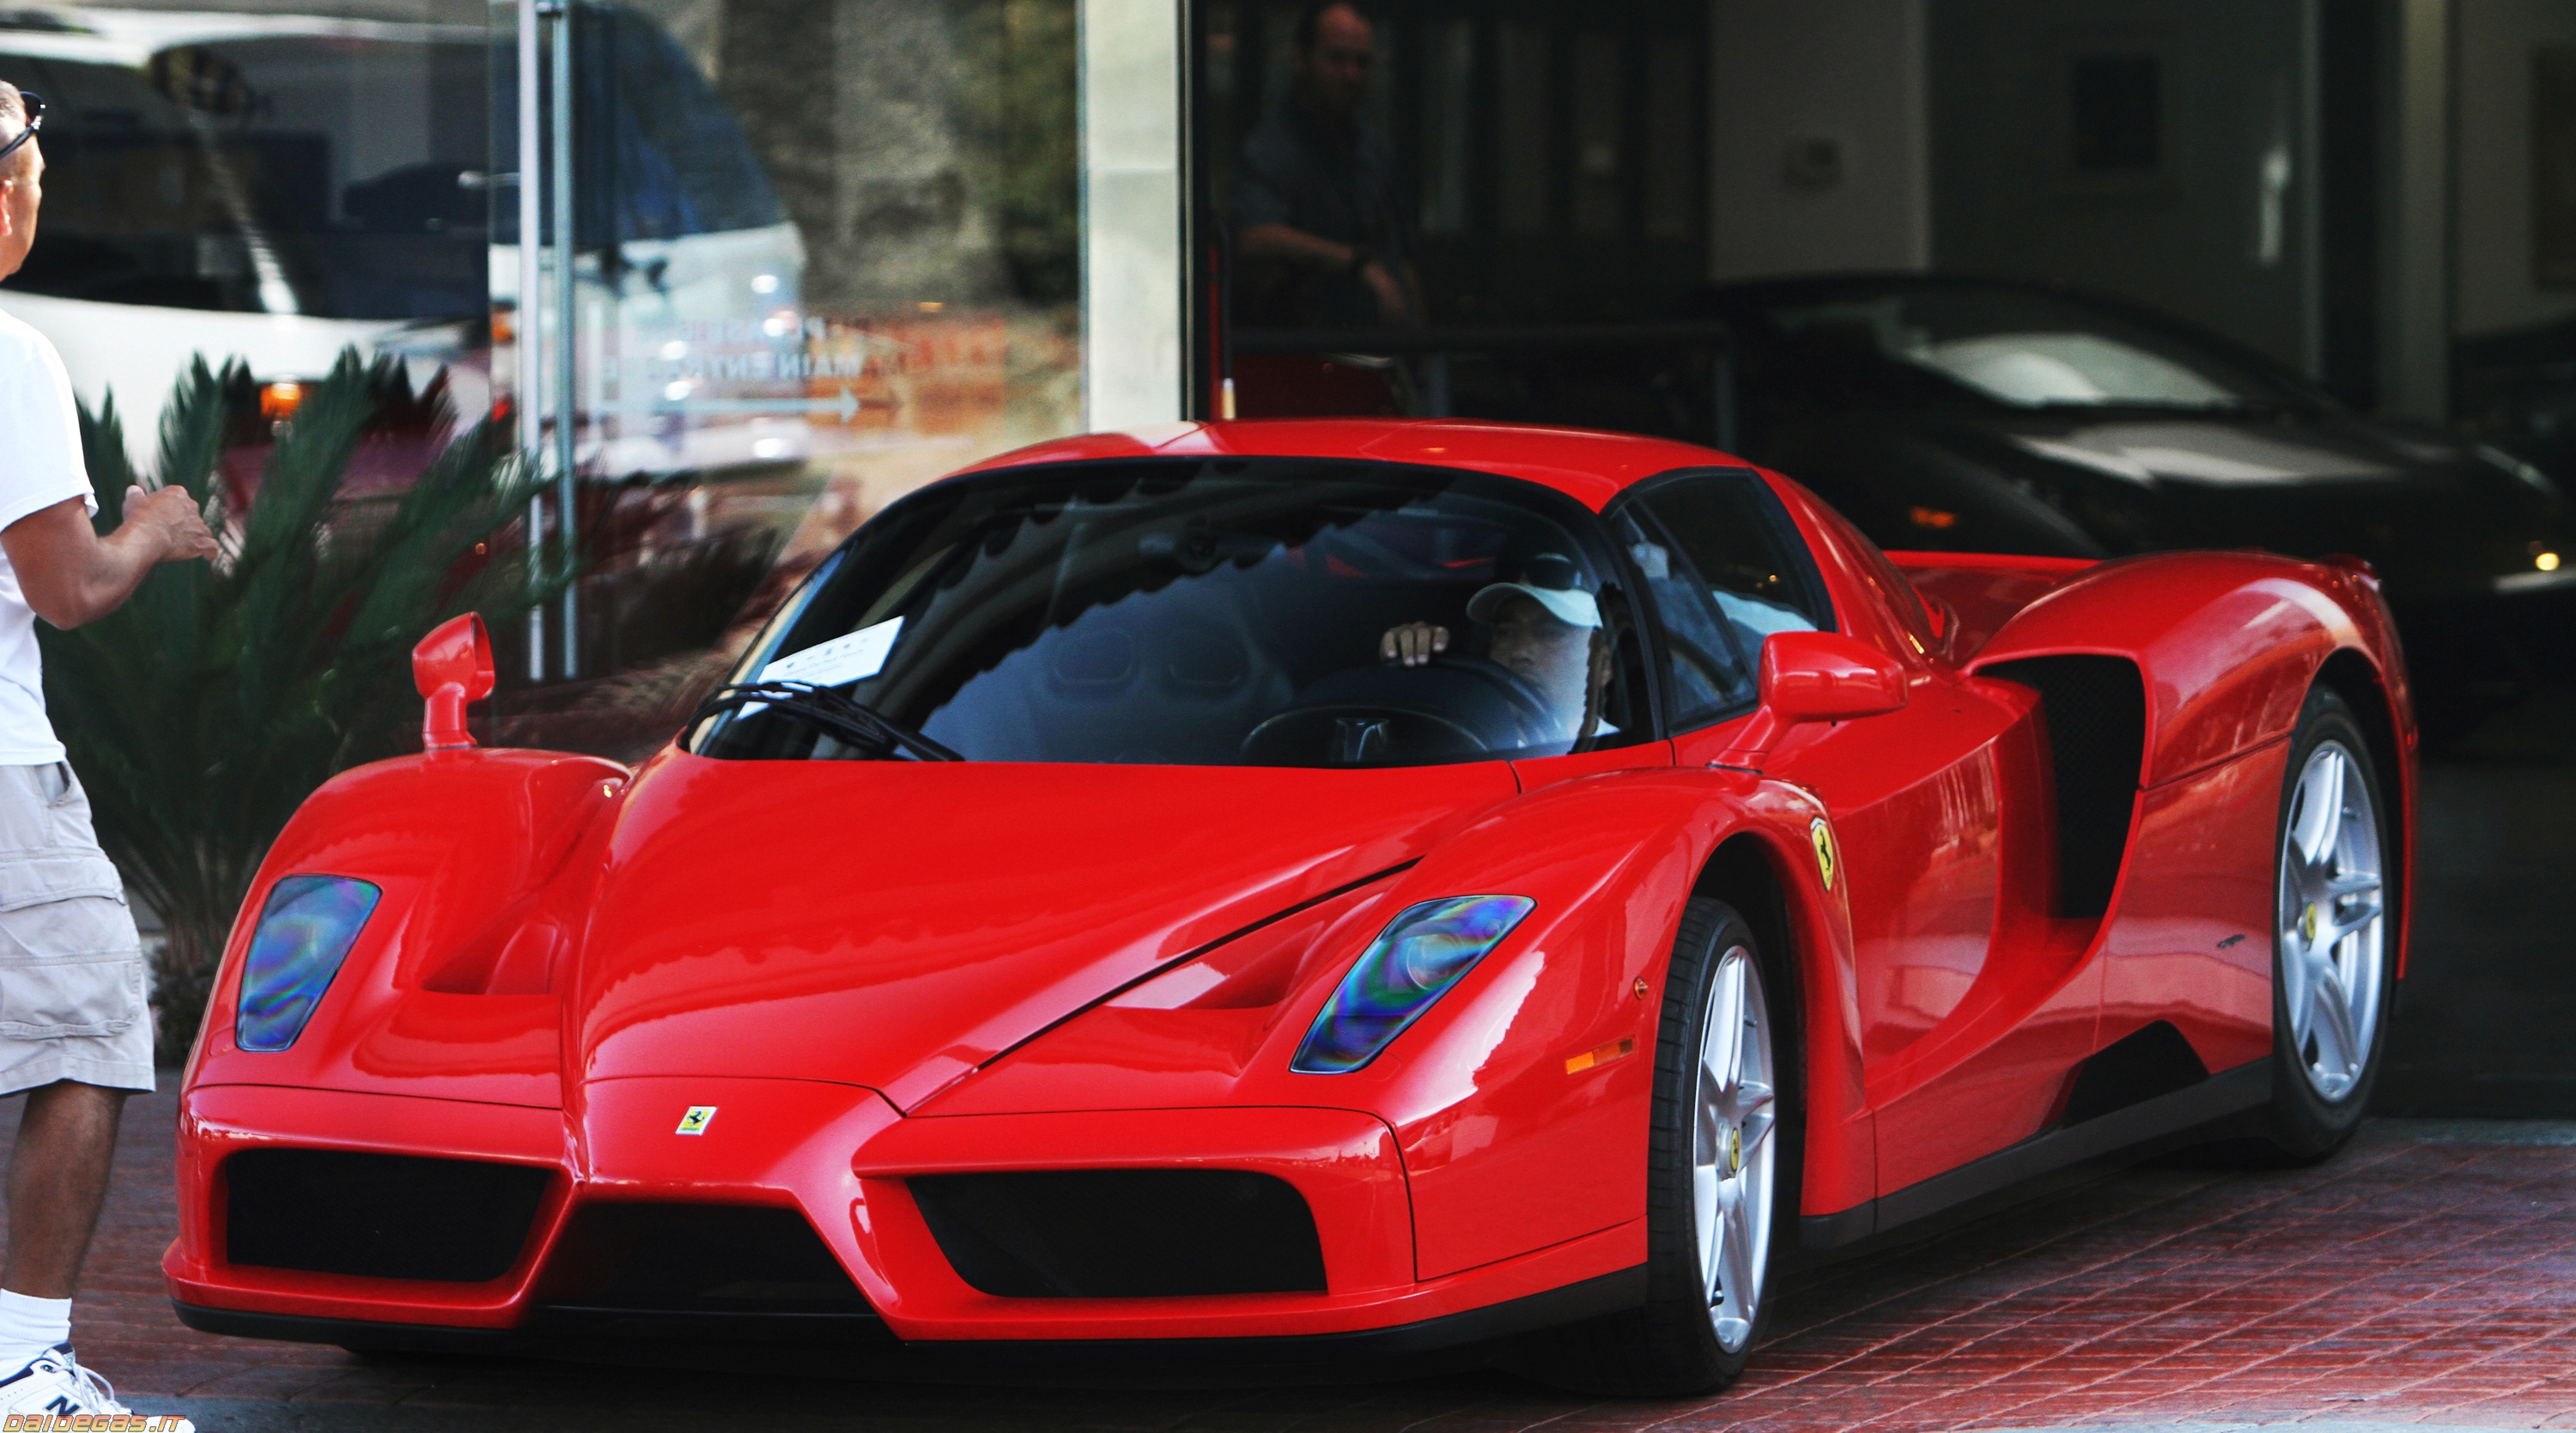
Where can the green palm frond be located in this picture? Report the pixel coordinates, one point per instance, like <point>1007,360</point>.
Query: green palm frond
<point>202,712</point>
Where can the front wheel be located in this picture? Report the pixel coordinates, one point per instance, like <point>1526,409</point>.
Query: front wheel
<point>2332,941</point>
<point>1722,1173</point>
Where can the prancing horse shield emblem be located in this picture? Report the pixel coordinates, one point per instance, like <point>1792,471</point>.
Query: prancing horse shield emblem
<point>695,1121</point>
<point>1823,836</point>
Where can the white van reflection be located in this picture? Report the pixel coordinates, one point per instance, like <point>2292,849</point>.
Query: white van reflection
<point>279,187</point>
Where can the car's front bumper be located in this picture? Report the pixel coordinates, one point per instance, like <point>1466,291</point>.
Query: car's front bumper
<point>840,1156</point>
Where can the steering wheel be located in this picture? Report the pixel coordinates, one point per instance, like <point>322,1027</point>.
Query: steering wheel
<point>1454,708</point>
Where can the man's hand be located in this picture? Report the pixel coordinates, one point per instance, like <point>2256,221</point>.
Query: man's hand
<point>1413,644</point>
<point>1394,294</point>
<point>70,575</point>
<point>1394,306</point>
<point>167,522</point>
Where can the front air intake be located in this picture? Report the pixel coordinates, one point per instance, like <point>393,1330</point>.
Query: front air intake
<point>697,1258</point>
<point>629,1277</point>
<point>1123,1233</point>
<point>378,1216</point>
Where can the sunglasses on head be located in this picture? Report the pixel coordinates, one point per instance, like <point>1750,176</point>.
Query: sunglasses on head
<point>35,104</point>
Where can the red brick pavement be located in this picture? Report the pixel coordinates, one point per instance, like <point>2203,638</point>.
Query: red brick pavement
<point>2427,1275</point>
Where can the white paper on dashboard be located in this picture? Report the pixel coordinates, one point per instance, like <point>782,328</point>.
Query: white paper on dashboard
<point>856,657</point>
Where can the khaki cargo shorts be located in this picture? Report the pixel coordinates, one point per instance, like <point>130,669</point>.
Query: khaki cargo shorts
<point>73,987</point>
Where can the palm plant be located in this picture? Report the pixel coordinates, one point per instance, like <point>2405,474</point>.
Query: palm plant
<point>203,711</point>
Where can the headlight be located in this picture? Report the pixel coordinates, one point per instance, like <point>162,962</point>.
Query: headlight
<point>304,932</point>
<point>1413,962</point>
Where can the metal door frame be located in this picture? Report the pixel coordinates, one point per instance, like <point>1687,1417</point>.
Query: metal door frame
<point>547,328</point>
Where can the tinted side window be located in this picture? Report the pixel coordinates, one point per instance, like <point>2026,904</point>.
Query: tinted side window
<point>1898,595</point>
<point>1708,670</point>
<point>1729,540</point>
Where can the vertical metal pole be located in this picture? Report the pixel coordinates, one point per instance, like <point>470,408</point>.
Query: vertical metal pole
<point>531,344</point>
<point>1439,401</point>
<point>1722,362</point>
<point>1224,319</point>
<point>567,391</point>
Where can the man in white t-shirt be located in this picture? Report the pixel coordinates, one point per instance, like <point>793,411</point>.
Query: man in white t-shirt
<point>75,1036</point>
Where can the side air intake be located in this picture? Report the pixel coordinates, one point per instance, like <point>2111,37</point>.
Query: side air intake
<point>2097,738</point>
<point>2147,1063</point>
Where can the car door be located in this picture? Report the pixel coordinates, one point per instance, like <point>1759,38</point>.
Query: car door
<point>1938,828</point>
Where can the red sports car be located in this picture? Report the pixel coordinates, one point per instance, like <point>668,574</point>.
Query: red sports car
<point>1298,891</point>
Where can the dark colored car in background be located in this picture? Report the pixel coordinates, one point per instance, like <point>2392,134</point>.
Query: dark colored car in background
<point>1964,415</point>
<point>2517,390</point>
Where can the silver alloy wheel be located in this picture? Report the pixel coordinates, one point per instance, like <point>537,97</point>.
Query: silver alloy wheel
<point>1731,1154</point>
<point>2331,923</point>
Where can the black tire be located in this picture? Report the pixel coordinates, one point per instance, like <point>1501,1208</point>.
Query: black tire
<point>2303,1124</point>
<point>1670,1347</point>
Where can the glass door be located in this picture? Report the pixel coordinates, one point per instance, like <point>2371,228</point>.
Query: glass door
<point>261,185</point>
<point>789,259</point>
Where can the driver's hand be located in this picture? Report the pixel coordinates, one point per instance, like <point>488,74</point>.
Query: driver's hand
<point>1413,644</point>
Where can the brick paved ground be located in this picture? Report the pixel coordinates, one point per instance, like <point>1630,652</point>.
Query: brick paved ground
<point>2426,1276</point>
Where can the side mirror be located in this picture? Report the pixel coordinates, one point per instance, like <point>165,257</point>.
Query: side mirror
<point>1815,676</point>
<point>452,666</point>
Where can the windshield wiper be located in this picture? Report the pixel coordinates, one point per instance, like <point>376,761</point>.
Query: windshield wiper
<point>852,721</point>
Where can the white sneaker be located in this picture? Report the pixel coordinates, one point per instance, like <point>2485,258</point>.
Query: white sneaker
<point>53,1383</point>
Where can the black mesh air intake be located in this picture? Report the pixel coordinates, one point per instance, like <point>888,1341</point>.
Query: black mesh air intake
<point>699,1259</point>
<point>1123,1233</point>
<point>379,1216</point>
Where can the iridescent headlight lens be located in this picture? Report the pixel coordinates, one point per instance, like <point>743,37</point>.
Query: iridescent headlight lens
<point>304,932</point>
<point>1413,962</point>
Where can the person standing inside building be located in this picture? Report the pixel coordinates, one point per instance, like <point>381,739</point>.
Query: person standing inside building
<point>1319,216</point>
<point>75,1033</point>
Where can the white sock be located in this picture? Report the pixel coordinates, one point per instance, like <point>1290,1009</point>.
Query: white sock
<point>29,1326</point>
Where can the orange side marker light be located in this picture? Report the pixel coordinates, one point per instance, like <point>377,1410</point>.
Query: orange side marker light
<point>1625,1045</point>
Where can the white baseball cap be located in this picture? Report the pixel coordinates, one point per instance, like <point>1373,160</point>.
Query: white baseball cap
<point>1568,604</point>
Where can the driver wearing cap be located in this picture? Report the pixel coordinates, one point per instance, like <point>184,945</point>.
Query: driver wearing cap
<point>1546,631</point>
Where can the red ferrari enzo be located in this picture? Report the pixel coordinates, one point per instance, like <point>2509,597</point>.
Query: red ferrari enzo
<point>1299,891</point>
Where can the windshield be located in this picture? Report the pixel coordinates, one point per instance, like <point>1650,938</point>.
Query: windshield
<point>1209,613</point>
<point>2025,350</point>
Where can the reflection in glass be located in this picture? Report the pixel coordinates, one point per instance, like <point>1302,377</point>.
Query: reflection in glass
<point>1672,140</point>
<point>1528,135</point>
<point>826,250</point>
<point>2002,345</point>
<point>268,187</point>
<point>1597,147</point>
<point>1448,92</point>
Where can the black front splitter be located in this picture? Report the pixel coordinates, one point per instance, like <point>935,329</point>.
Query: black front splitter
<point>861,1346</point>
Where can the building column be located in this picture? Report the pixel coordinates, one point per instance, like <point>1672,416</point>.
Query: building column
<point>1132,261</point>
<point>2415,347</point>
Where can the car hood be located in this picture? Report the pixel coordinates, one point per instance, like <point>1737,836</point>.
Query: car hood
<point>896,924</point>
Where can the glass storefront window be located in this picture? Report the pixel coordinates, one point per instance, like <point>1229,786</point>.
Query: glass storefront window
<point>267,185</point>
<point>822,251</point>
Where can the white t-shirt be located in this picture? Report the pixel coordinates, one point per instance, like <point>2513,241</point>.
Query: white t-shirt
<point>40,465</point>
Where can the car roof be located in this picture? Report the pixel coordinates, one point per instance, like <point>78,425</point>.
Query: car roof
<point>1590,467</point>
